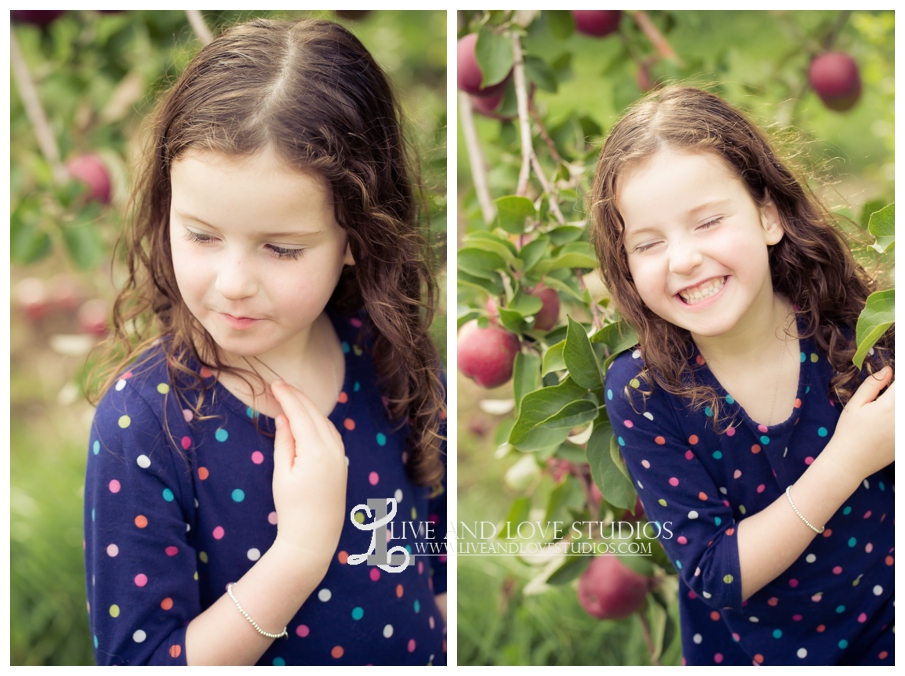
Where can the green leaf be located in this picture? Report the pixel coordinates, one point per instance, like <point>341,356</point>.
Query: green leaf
<point>83,241</point>
<point>580,358</point>
<point>572,567</point>
<point>553,359</point>
<point>572,415</point>
<point>567,260</point>
<point>541,74</point>
<point>492,286</point>
<point>615,488</point>
<point>561,23</point>
<point>494,55</point>
<point>480,263</point>
<point>657,617</point>
<point>490,242</point>
<point>536,407</point>
<point>525,377</point>
<point>512,210</point>
<point>618,337</point>
<point>519,511</point>
<point>619,461</point>
<point>533,252</point>
<point>565,234</point>
<point>526,304</point>
<point>564,495</point>
<point>882,225</point>
<point>553,283</point>
<point>512,320</point>
<point>28,242</point>
<point>879,314</point>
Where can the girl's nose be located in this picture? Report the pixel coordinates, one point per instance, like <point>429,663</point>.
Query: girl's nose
<point>684,257</point>
<point>235,279</point>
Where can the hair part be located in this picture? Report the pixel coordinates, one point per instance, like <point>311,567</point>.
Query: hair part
<point>313,94</point>
<point>812,265</point>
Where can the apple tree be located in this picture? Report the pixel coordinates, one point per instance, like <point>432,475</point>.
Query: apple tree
<point>537,93</point>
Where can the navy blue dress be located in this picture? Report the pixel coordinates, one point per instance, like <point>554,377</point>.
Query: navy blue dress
<point>177,507</point>
<point>834,605</point>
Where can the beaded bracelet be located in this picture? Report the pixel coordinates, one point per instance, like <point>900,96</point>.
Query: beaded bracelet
<point>229,590</point>
<point>800,516</point>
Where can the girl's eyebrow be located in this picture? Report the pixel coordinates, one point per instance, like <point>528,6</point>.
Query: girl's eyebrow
<point>265,235</point>
<point>707,205</point>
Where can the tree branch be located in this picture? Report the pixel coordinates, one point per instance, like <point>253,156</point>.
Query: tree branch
<point>554,205</point>
<point>47,142</point>
<point>543,132</point>
<point>521,95</point>
<point>198,25</point>
<point>652,33</point>
<point>476,158</point>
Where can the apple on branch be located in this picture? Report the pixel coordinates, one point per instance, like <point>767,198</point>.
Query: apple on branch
<point>608,590</point>
<point>836,79</point>
<point>468,73</point>
<point>597,23</point>
<point>90,170</point>
<point>486,355</point>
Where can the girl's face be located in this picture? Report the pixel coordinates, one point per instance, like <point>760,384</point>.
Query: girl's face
<point>256,250</point>
<point>697,243</point>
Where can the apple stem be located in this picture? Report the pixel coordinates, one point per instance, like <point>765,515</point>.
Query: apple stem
<point>476,158</point>
<point>836,28</point>
<point>645,628</point>
<point>521,95</point>
<point>198,25</point>
<point>28,92</point>
<point>652,33</point>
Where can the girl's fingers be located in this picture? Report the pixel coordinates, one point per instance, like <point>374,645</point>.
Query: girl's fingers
<point>326,428</point>
<point>283,444</point>
<point>300,422</point>
<point>870,388</point>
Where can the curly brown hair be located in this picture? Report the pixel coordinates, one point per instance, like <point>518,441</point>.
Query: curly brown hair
<point>312,92</point>
<point>812,265</point>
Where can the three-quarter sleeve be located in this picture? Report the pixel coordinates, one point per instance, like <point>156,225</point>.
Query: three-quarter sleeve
<point>141,573</point>
<point>668,464</point>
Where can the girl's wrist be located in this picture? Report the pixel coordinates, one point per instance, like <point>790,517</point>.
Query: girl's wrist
<point>305,565</point>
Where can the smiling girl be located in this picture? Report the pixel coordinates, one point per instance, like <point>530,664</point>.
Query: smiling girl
<point>740,416</point>
<point>271,373</point>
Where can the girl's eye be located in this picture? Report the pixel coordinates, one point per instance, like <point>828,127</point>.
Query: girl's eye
<point>282,252</point>
<point>198,237</point>
<point>710,224</point>
<point>641,248</point>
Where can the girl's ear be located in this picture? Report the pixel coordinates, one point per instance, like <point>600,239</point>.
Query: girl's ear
<point>348,259</point>
<point>772,222</point>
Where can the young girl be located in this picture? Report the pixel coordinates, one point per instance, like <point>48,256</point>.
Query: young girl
<point>730,413</point>
<point>276,258</point>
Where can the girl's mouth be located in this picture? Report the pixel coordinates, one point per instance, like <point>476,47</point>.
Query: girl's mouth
<point>698,294</point>
<point>239,322</point>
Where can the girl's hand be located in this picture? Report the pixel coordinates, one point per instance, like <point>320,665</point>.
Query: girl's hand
<point>309,477</point>
<point>866,429</point>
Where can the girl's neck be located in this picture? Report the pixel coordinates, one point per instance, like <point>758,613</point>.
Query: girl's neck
<point>755,341</point>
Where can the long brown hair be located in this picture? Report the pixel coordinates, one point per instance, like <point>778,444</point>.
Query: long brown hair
<point>313,93</point>
<point>812,266</point>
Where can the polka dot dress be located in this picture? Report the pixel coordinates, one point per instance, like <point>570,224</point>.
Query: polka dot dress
<point>171,519</point>
<point>835,604</point>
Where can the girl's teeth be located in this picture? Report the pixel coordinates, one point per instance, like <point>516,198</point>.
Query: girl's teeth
<point>703,291</point>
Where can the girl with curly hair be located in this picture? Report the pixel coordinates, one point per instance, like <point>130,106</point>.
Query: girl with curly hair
<point>270,373</point>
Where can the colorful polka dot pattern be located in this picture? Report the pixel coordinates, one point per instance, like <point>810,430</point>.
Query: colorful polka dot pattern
<point>834,605</point>
<point>163,542</point>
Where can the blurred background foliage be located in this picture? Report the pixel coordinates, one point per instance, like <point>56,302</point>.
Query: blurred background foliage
<point>97,76</point>
<point>581,84</point>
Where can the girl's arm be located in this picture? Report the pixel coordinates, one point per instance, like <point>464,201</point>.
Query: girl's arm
<point>771,540</point>
<point>309,491</point>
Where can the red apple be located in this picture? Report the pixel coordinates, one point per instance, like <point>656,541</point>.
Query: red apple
<point>469,74</point>
<point>31,295</point>
<point>547,317</point>
<point>597,23</point>
<point>487,105</point>
<point>38,17</point>
<point>93,317</point>
<point>90,170</point>
<point>836,79</point>
<point>608,590</point>
<point>493,309</point>
<point>486,355</point>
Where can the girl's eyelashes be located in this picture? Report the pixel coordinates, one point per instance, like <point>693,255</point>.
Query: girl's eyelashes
<point>641,248</point>
<point>278,251</point>
<point>282,252</point>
